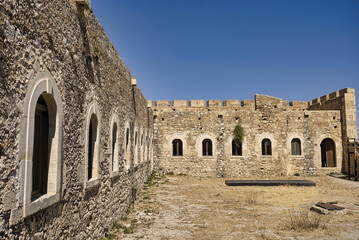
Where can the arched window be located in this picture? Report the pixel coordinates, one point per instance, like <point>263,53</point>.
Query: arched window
<point>266,147</point>
<point>127,148</point>
<point>40,147</point>
<point>141,147</point>
<point>207,147</point>
<point>40,163</point>
<point>177,147</point>
<point>135,150</point>
<point>236,150</point>
<point>328,153</point>
<point>296,147</point>
<point>114,148</point>
<point>92,138</point>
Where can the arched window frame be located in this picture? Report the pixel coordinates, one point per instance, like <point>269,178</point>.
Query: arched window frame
<point>177,148</point>
<point>94,180</point>
<point>114,149</point>
<point>264,147</point>
<point>296,147</point>
<point>42,84</point>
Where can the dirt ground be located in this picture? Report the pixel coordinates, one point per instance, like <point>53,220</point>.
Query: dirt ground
<point>182,207</point>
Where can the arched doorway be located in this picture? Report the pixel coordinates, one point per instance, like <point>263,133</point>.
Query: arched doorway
<point>328,153</point>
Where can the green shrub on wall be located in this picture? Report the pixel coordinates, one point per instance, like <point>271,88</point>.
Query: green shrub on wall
<point>238,135</point>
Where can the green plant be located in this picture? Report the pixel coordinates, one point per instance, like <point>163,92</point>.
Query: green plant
<point>238,135</point>
<point>117,225</point>
<point>170,174</point>
<point>128,230</point>
<point>296,174</point>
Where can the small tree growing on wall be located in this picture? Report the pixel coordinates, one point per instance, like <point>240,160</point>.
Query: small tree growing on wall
<point>238,135</point>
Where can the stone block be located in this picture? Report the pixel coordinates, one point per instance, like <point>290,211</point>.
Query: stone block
<point>197,103</point>
<point>149,103</point>
<point>232,103</point>
<point>133,81</point>
<point>247,103</point>
<point>298,104</point>
<point>179,103</point>
<point>346,90</point>
<point>333,95</point>
<point>214,103</point>
<point>162,103</point>
<point>324,98</point>
<point>86,3</point>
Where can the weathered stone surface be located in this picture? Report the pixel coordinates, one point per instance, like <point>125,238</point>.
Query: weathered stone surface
<point>265,117</point>
<point>65,39</point>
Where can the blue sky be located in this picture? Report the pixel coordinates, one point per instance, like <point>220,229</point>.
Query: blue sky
<point>233,49</point>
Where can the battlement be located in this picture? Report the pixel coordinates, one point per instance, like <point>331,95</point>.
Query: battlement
<point>331,96</point>
<point>260,102</point>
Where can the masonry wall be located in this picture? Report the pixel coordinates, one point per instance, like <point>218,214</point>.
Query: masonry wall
<point>65,40</point>
<point>264,117</point>
<point>343,100</point>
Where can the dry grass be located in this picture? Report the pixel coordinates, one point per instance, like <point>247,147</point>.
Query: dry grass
<point>251,197</point>
<point>183,207</point>
<point>301,220</point>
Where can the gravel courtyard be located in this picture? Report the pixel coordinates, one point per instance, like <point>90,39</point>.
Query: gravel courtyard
<point>183,207</point>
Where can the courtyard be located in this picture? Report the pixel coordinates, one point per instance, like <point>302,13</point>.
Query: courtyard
<point>183,207</point>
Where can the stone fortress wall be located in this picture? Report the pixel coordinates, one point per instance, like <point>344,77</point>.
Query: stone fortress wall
<point>332,116</point>
<point>58,50</point>
<point>104,137</point>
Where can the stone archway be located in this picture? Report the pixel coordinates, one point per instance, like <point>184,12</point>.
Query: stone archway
<point>327,147</point>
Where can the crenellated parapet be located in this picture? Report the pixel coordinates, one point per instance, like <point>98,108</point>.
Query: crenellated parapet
<point>260,102</point>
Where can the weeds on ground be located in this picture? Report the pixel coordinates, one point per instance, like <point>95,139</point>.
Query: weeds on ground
<point>300,220</point>
<point>151,178</point>
<point>170,174</point>
<point>251,197</point>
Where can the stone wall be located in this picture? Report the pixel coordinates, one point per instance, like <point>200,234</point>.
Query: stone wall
<point>343,100</point>
<point>263,117</point>
<point>63,39</point>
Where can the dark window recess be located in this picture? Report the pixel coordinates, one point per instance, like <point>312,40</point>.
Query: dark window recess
<point>266,147</point>
<point>154,116</point>
<point>91,144</point>
<point>298,117</point>
<point>199,118</point>
<point>177,147</point>
<point>40,163</point>
<point>296,147</point>
<point>127,137</point>
<point>163,119</point>
<point>335,126</point>
<point>237,118</point>
<point>135,138</point>
<point>207,147</point>
<point>236,150</point>
<point>114,142</point>
<point>220,116</point>
<point>174,109</point>
<point>306,116</point>
<point>334,117</point>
